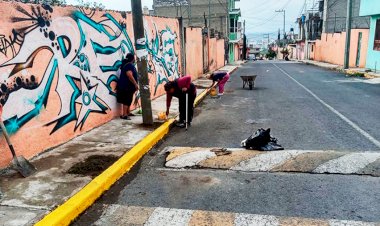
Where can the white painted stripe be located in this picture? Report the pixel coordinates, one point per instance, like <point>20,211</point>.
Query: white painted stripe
<point>350,163</point>
<point>190,159</point>
<point>107,213</point>
<point>350,223</point>
<point>257,220</point>
<point>169,217</point>
<point>267,161</point>
<point>344,118</point>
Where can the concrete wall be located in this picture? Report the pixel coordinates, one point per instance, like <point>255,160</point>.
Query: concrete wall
<point>336,16</point>
<point>373,56</point>
<point>331,47</point>
<point>220,53</point>
<point>236,52</point>
<point>300,50</point>
<point>194,56</point>
<point>218,16</point>
<point>212,61</point>
<point>369,7</point>
<point>58,66</point>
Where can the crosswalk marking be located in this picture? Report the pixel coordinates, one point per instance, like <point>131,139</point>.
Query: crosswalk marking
<point>348,164</point>
<point>172,217</point>
<point>306,161</point>
<point>351,223</point>
<point>159,216</point>
<point>253,219</point>
<point>265,162</point>
<point>190,159</point>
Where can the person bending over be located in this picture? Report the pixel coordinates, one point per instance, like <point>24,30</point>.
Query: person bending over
<point>179,88</point>
<point>221,78</point>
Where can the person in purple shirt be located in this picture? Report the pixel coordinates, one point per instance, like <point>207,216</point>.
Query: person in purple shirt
<point>221,78</point>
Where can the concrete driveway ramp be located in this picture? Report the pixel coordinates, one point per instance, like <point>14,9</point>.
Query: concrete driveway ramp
<point>303,161</point>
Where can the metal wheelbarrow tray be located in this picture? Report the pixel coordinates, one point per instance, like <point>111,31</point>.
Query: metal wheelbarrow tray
<point>248,80</point>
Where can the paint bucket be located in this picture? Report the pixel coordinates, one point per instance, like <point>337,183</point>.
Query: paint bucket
<point>213,92</point>
<point>161,116</point>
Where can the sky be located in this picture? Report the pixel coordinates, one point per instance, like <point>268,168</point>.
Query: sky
<point>260,15</point>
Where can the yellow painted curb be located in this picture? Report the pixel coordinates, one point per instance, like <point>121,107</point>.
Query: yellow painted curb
<point>200,97</point>
<point>72,208</point>
<point>77,204</point>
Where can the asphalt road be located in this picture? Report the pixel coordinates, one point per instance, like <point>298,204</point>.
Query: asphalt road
<point>307,108</point>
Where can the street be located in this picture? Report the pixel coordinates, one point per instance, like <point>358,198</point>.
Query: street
<point>306,107</point>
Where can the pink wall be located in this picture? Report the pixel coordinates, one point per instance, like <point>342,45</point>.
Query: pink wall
<point>58,66</point>
<point>194,52</point>
<point>331,47</point>
<point>312,47</point>
<point>194,55</point>
<point>236,52</point>
<point>300,50</point>
<point>220,51</point>
<point>212,60</point>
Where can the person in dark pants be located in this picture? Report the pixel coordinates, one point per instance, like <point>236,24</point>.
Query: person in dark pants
<point>127,85</point>
<point>179,88</point>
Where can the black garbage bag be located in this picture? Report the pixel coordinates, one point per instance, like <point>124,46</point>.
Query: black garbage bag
<point>261,140</point>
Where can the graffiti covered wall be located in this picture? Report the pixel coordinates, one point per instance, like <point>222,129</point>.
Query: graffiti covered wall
<point>58,69</point>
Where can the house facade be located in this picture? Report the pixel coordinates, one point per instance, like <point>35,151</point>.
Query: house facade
<point>220,15</point>
<point>371,8</point>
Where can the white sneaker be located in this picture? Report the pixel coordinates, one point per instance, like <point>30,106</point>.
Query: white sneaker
<point>220,94</point>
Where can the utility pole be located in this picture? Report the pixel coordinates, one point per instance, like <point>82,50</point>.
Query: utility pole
<point>282,11</point>
<point>244,43</point>
<point>141,52</point>
<point>209,17</point>
<point>189,13</point>
<point>266,36</point>
<point>348,35</point>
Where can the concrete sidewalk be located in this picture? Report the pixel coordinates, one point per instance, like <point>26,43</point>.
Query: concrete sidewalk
<point>24,201</point>
<point>352,71</point>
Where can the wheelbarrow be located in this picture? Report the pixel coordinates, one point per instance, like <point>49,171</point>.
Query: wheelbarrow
<point>248,80</point>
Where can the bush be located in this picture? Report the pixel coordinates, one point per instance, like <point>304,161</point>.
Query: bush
<point>271,54</point>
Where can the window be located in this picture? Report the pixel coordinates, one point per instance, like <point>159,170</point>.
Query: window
<point>231,24</point>
<point>376,45</point>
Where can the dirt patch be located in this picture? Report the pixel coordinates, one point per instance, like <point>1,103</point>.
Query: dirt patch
<point>154,126</point>
<point>93,165</point>
<point>197,112</point>
<point>198,86</point>
<point>221,152</point>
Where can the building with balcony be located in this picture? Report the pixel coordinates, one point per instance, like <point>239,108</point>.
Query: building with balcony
<point>235,32</point>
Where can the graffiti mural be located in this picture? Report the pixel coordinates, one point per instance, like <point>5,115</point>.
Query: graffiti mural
<point>163,57</point>
<point>75,57</point>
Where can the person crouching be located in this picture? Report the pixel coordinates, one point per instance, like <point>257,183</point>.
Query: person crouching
<point>221,78</point>
<point>179,88</point>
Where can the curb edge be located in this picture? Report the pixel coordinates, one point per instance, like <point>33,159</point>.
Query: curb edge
<point>78,203</point>
<point>83,199</point>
